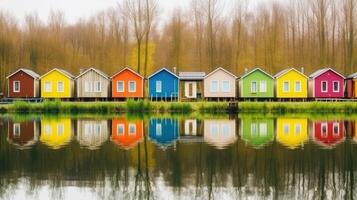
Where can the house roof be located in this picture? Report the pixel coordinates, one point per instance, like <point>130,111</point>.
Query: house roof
<point>27,71</point>
<point>162,69</point>
<point>321,71</point>
<point>256,69</point>
<point>64,72</point>
<point>220,68</point>
<point>192,75</point>
<point>95,70</point>
<point>127,68</point>
<point>354,75</point>
<point>286,71</point>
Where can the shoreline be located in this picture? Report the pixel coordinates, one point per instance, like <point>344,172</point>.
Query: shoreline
<point>202,107</point>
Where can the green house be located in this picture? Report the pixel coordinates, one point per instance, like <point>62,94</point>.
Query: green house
<point>256,84</point>
<point>257,132</point>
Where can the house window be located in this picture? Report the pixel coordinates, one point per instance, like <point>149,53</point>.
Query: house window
<point>132,129</point>
<point>158,129</point>
<point>297,86</point>
<point>97,86</point>
<point>253,129</point>
<point>120,86</point>
<point>226,87</point>
<point>263,86</point>
<point>97,129</point>
<point>60,86</point>
<point>324,129</point>
<point>336,129</point>
<point>132,86</point>
<point>286,86</point>
<point>253,87</point>
<point>214,86</point>
<point>336,86</point>
<point>59,129</point>
<point>225,129</point>
<point>324,86</point>
<point>17,130</point>
<point>88,129</point>
<point>47,129</point>
<point>286,129</point>
<point>48,86</point>
<point>263,129</point>
<point>16,86</point>
<point>297,129</point>
<point>158,86</point>
<point>214,129</point>
<point>87,86</point>
<point>120,129</point>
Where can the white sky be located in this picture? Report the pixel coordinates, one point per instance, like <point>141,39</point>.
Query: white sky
<point>75,9</point>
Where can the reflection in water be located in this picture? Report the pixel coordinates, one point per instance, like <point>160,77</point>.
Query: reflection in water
<point>92,134</point>
<point>220,133</point>
<point>56,133</point>
<point>127,134</point>
<point>200,165</point>
<point>292,132</point>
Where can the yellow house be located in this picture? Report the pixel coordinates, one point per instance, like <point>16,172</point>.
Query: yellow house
<point>290,83</point>
<point>291,132</point>
<point>57,83</point>
<point>56,132</point>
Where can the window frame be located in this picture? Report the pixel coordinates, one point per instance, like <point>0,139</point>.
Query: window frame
<point>48,83</point>
<point>324,134</point>
<point>131,125</point>
<point>158,129</point>
<point>265,86</point>
<point>300,89</point>
<point>16,126</point>
<point>251,87</point>
<point>211,86</point>
<point>58,82</point>
<point>158,86</point>
<point>288,84</point>
<point>336,124</point>
<point>14,87</point>
<point>122,127</point>
<point>322,86</point>
<point>229,86</point>
<point>95,89</point>
<point>333,86</point>
<point>129,89</point>
<point>117,86</point>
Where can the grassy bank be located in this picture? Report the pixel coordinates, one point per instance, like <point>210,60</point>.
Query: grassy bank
<point>142,107</point>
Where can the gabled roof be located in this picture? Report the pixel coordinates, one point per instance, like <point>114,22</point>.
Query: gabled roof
<point>321,71</point>
<point>192,75</point>
<point>131,70</point>
<point>27,71</point>
<point>256,69</point>
<point>62,71</point>
<point>95,70</point>
<point>163,69</point>
<point>288,70</point>
<point>220,68</point>
<point>354,75</point>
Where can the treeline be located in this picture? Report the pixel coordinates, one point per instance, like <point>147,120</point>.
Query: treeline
<point>234,34</point>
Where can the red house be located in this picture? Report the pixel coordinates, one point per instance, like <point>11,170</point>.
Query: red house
<point>326,83</point>
<point>328,133</point>
<point>23,135</point>
<point>23,83</point>
<point>127,84</point>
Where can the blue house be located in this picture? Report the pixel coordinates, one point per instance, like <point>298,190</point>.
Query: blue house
<point>163,131</point>
<point>163,84</point>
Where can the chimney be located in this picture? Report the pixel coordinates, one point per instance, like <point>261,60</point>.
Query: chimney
<point>174,70</point>
<point>302,70</point>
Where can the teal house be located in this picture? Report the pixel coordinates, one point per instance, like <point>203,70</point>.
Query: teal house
<point>256,84</point>
<point>257,132</point>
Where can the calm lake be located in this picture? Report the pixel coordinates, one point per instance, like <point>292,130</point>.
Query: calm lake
<point>178,157</point>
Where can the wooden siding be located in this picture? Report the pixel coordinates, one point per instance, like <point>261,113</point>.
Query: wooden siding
<point>220,76</point>
<point>28,85</point>
<point>92,76</point>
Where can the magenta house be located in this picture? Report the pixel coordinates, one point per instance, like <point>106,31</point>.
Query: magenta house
<point>326,83</point>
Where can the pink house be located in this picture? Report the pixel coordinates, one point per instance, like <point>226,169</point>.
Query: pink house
<point>326,83</point>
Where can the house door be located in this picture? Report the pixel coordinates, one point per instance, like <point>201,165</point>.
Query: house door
<point>190,89</point>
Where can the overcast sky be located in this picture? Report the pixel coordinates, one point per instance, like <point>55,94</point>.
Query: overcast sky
<point>75,9</point>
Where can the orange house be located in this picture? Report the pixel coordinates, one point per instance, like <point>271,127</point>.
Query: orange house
<point>127,134</point>
<point>127,84</point>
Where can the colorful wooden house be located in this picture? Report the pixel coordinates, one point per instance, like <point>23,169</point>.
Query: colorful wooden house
<point>91,134</point>
<point>257,132</point>
<point>92,83</point>
<point>328,133</point>
<point>326,83</point>
<point>56,133</point>
<point>220,133</point>
<point>256,84</point>
<point>127,83</point>
<point>191,85</point>
<point>163,131</point>
<point>220,83</point>
<point>292,132</point>
<point>163,84</point>
<point>57,83</point>
<point>351,86</point>
<point>127,134</point>
<point>23,83</point>
<point>290,83</point>
<point>23,134</point>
